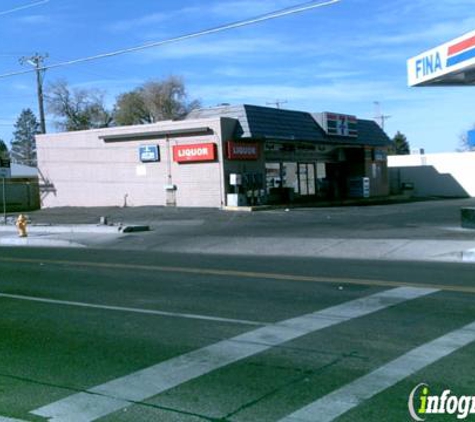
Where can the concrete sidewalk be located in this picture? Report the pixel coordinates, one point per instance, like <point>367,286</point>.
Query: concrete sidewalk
<point>378,249</point>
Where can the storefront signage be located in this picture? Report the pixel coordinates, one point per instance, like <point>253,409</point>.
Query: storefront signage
<point>149,153</point>
<point>194,152</point>
<point>380,155</point>
<point>340,125</point>
<point>242,151</point>
<point>5,171</point>
<point>443,64</point>
<point>471,138</point>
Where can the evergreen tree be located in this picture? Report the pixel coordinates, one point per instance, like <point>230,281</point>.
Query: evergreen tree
<point>3,149</point>
<point>23,145</point>
<point>400,145</point>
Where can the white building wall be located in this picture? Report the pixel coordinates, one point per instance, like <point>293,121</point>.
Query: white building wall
<point>82,169</point>
<point>444,174</point>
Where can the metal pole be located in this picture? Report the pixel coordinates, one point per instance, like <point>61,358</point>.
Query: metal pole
<point>4,203</point>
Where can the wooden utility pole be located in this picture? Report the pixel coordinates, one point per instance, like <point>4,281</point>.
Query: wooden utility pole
<point>37,61</point>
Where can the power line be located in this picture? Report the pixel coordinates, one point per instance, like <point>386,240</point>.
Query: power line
<point>252,21</point>
<point>25,6</point>
<point>109,76</point>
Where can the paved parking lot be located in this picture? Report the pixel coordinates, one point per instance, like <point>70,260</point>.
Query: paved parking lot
<point>428,230</point>
<point>436,219</point>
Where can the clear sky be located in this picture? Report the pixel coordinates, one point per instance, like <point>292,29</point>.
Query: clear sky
<point>340,58</point>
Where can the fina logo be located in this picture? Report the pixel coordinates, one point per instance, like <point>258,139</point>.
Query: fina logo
<point>428,65</point>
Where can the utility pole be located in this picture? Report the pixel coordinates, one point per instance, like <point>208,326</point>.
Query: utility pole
<point>379,116</point>
<point>37,61</point>
<point>277,103</point>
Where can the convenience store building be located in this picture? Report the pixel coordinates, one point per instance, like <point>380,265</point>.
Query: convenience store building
<point>224,156</point>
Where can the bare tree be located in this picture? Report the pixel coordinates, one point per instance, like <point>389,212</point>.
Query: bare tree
<point>77,109</point>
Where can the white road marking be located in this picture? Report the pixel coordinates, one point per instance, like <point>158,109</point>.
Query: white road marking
<point>340,401</point>
<point>4,419</point>
<point>122,392</point>
<point>135,310</point>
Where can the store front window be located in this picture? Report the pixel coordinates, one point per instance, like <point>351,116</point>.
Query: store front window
<point>307,179</point>
<point>291,180</point>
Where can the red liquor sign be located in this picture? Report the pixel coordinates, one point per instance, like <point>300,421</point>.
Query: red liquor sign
<point>194,152</point>
<point>242,151</point>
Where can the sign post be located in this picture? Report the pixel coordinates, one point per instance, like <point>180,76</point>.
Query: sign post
<point>5,172</point>
<point>4,203</point>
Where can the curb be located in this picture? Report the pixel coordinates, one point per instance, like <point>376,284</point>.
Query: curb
<point>35,242</point>
<point>78,228</point>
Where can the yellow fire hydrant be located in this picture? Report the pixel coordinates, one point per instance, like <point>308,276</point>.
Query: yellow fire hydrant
<point>21,224</point>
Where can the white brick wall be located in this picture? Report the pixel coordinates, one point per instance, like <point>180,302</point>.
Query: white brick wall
<point>84,170</point>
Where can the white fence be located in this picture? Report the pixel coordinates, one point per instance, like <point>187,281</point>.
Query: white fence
<point>445,174</point>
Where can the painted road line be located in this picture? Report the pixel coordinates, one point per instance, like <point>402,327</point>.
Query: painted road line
<point>122,392</point>
<point>242,274</point>
<point>135,310</point>
<point>337,403</point>
<point>4,419</point>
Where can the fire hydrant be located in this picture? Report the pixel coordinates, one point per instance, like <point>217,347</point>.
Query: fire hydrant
<point>21,224</point>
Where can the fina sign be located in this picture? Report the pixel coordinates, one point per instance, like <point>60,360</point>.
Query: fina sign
<point>444,65</point>
<point>194,152</point>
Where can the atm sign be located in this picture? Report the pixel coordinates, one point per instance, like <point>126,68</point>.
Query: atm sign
<point>242,151</point>
<point>194,152</point>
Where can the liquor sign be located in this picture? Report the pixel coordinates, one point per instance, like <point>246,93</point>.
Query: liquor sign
<point>149,153</point>
<point>340,125</point>
<point>242,151</point>
<point>194,153</point>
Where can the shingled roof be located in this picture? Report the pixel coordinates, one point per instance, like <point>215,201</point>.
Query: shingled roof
<point>257,122</point>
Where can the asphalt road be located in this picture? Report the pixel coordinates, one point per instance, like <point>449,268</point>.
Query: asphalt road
<point>135,336</point>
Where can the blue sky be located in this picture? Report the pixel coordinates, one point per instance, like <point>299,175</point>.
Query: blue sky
<point>340,58</point>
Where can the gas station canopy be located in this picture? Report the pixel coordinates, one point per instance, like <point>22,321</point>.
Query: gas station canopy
<point>449,64</point>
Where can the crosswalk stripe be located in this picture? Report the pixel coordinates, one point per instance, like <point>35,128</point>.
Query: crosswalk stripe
<point>119,393</point>
<point>335,404</point>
